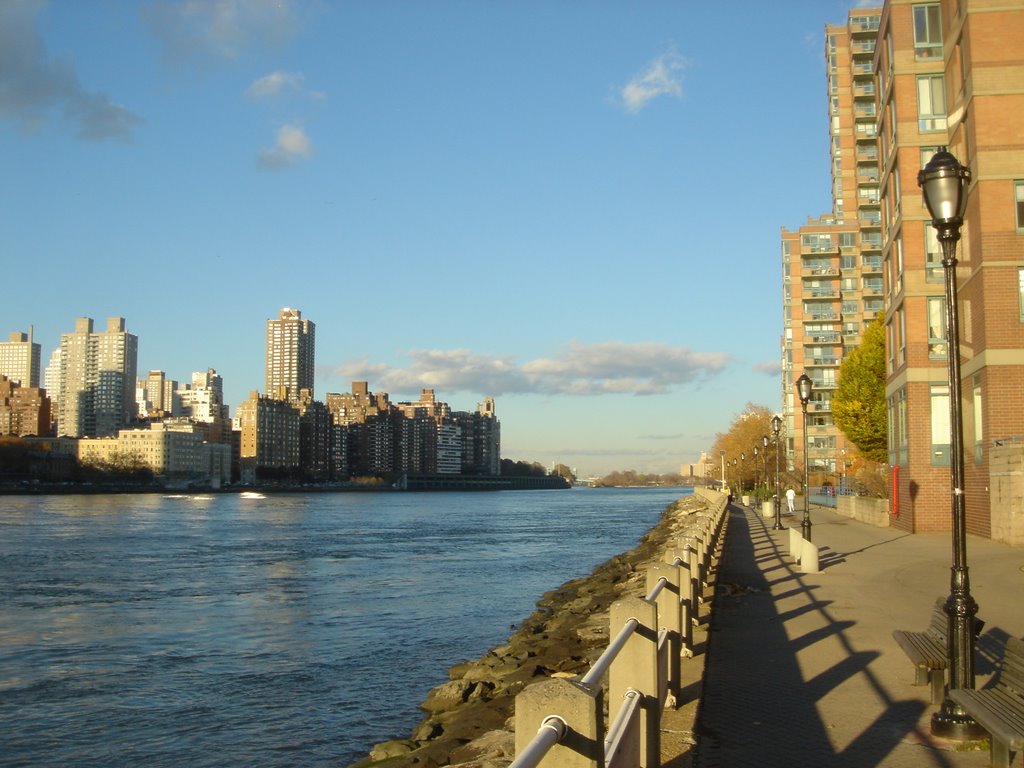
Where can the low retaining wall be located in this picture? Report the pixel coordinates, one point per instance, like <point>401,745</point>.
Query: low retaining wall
<point>865,509</point>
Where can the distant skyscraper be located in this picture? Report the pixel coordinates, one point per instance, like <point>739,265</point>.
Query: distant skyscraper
<point>19,359</point>
<point>97,388</point>
<point>291,344</point>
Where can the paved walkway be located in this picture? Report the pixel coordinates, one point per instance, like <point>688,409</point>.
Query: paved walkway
<point>802,669</point>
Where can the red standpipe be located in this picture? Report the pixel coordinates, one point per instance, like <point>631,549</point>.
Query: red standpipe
<point>895,492</point>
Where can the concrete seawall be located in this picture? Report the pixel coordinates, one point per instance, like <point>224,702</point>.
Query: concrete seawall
<point>468,720</point>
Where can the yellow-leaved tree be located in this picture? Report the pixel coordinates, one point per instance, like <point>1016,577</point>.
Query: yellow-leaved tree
<point>858,405</point>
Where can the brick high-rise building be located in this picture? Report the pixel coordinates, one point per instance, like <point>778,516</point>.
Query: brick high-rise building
<point>832,266</point>
<point>291,347</point>
<point>951,74</point>
<point>24,411</point>
<point>904,81</point>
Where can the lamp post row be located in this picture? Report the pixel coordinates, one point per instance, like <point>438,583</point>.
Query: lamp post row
<point>944,183</point>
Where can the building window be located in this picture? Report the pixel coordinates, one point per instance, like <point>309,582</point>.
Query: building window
<point>941,433</point>
<point>898,438</point>
<point>932,255</point>
<point>937,328</point>
<point>1018,193</point>
<point>1020,292</point>
<point>979,445</point>
<point>927,32</point>
<point>901,356</point>
<point>931,103</point>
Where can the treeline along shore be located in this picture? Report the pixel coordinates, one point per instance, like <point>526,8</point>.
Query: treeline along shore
<point>469,720</point>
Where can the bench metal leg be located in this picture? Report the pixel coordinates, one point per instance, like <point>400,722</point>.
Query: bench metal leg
<point>1000,754</point>
<point>921,674</point>
<point>938,681</point>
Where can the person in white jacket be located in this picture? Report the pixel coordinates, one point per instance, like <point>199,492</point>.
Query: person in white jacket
<point>791,500</point>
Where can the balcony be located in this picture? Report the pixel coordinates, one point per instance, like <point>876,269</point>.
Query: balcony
<point>821,292</point>
<point>829,316</point>
<point>823,361</point>
<point>823,337</point>
<point>822,383</point>
<point>865,110</point>
<point>814,247</point>
<point>809,271</point>
<point>860,47</point>
<point>872,264</point>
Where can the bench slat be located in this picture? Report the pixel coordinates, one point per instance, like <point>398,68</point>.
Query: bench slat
<point>922,649</point>
<point>999,712</point>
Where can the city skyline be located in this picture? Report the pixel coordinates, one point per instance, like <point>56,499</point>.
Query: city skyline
<point>574,231</point>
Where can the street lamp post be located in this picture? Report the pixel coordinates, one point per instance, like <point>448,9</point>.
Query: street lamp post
<point>754,492</point>
<point>764,462</point>
<point>722,456</point>
<point>803,389</point>
<point>944,183</point>
<point>776,428</point>
<point>735,473</point>
<point>739,477</point>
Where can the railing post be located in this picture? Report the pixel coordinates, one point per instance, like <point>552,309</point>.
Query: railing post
<point>670,617</point>
<point>582,710</point>
<point>636,668</point>
<point>687,612</point>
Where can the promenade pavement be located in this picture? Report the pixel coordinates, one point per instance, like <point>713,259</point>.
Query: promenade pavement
<point>802,669</point>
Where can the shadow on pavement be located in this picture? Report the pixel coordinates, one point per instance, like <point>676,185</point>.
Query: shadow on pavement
<point>757,709</point>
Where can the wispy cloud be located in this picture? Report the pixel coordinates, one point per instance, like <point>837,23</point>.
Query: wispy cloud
<point>768,368</point>
<point>291,147</point>
<point>645,368</point>
<point>34,86</point>
<point>201,31</point>
<point>663,77</point>
<point>278,84</point>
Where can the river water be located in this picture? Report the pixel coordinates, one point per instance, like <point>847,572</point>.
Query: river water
<point>296,629</point>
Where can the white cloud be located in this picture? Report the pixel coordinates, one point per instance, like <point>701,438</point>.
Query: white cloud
<point>278,84</point>
<point>198,31</point>
<point>274,84</point>
<point>33,85</point>
<point>292,145</point>
<point>769,368</point>
<point>645,368</point>
<point>663,77</point>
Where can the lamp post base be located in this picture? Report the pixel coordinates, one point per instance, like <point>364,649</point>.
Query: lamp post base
<point>948,723</point>
<point>805,529</point>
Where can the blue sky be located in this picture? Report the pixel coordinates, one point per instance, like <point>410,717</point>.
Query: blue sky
<point>573,207</point>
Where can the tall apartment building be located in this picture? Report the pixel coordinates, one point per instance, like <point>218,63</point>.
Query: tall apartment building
<point>832,265</point>
<point>291,347</point>
<point>19,359</point>
<point>97,379</point>
<point>24,411</point>
<point>158,396</point>
<point>269,436</point>
<point>951,74</point>
<point>903,82</point>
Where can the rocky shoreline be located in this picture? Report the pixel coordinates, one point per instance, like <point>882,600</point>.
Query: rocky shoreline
<point>469,720</point>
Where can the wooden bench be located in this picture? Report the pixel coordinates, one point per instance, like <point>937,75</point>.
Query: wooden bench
<point>1000,710</point>
<point>927,650</point>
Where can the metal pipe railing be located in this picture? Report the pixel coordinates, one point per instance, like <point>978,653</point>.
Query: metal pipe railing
<point>656,590</point>
<point>593,677</point>
<point>551,731</point>
<point>619,729</point>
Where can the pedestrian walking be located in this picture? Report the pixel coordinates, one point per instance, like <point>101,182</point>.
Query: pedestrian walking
<point>791,500</point>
